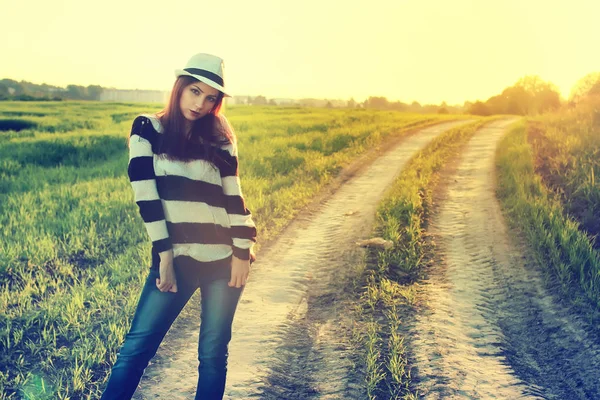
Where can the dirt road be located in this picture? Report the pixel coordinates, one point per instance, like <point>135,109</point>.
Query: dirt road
<point>289,341</point>
<point>489,328</point>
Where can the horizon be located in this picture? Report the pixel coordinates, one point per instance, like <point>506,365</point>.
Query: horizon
<point>429,51</point>
<point>255,95</point>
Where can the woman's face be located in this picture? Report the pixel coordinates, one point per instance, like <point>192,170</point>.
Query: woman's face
<point>197,100</point>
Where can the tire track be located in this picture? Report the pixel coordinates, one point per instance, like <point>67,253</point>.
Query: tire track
<point>290,338</point>
<point>299,348</point>
<point>489,328</point>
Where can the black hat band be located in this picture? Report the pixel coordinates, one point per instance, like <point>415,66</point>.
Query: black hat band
<point>207,74</point>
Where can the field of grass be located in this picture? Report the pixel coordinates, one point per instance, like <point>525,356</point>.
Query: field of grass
<point>388,290</point>
<point>550,193</point>
<point>73,249</point>
<point>566,150</point>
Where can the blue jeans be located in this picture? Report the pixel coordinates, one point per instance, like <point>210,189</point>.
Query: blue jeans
<point>154,315</point>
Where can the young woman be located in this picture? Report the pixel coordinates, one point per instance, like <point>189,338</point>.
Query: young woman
<point>183,168</point>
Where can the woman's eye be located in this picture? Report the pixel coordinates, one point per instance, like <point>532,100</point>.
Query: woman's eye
<point>212,99</point>
<point>195,91</point>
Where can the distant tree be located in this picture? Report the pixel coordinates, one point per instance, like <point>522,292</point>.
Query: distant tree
<point>14,88</point>
<point>479,108</point>
<point>27,97</point>
<point>516,100</point>
<point>259,101</point>
<point>496,104</point>
<point>588,85</point>
<point>3,90</point>
<point>513,107</point>
<point>398,106</point>
<point>76,92</point>
<point>531,83</point>
<point>595,90</point>
<point>415,106</point>
<point>543,96</point>
<point>272,102</point>
<point>528,96</point>
<point>443,110</point>
<point>94,92</point>
<point>548,99</point>
<point>328,105</point>
<point>351,103</point>
<point>377,102</point>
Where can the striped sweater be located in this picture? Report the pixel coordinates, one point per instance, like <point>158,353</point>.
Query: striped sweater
<point>195,208</point>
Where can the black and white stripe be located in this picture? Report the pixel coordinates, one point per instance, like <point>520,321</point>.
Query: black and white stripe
<point>196,208</point>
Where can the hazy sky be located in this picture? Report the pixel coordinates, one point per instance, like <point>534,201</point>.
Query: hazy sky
<point>424,50</point>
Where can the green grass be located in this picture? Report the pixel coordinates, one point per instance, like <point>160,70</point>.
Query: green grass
<point>566,150</point>
<point>564,250</point>
<point>388,290</point>
<point>73,249</point>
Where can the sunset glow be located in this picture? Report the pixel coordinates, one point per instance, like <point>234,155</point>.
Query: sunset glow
<point>429,51</point>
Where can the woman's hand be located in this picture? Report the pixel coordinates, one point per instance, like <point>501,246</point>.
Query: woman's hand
<point>239,272</point>
<point>167,281</point>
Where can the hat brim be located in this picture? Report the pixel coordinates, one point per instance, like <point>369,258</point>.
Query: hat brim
<point>179,72</point>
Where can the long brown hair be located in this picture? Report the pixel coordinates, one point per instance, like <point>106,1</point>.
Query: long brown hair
<point>206,133</point>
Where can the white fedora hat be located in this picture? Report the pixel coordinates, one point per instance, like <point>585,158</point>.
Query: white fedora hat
<point>206,68</point>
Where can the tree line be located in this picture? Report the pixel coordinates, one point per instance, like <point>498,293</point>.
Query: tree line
<point>24,91</point>
<point>530,95</point>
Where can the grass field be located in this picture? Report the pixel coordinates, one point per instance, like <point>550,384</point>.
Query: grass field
<point>547,183</point>
<point>73,250</point>
<point>566,151</point>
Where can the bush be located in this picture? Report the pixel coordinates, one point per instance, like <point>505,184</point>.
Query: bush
<point>16,124</point>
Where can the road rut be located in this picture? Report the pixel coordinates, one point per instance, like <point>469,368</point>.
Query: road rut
<point>489,327</point>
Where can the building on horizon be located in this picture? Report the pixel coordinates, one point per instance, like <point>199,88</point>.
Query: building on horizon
<point>136,95</point>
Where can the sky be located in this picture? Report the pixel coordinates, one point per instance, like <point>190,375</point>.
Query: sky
<point>409,50</point>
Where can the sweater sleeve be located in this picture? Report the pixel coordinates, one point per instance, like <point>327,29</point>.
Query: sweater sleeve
<point>243,229</point>
<point>143,181</point>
